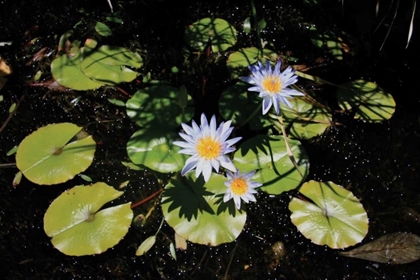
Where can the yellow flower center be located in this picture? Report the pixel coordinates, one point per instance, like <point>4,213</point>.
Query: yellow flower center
<point>272,84</point>
<point>239,186</point>
<point>208,148</point>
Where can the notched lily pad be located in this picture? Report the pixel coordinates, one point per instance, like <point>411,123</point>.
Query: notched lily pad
<point>54,154</point>
<point>329,215</point>
<point>197,213</point>
<point>77,225</point>
<point>367,99</point>
<point>393,248</point>
<point>218,32</point>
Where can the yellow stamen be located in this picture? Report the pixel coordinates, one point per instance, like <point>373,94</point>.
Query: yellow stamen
<point>239,186</point>
<point>208,148</point>
<point>272,84</point>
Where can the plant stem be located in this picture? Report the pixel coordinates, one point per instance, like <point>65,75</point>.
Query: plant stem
<point>286,140</point>
<point>146,199</point>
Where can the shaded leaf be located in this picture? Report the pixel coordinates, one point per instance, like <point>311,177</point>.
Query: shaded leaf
<point>393,248</point>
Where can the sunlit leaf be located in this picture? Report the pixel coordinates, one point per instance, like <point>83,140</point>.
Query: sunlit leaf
<point>53,155</point>
<point>197,213</point>
<point>153,149</point>
<point>393,248</point>
<point>77,225</point>
<point>370,102</point>
<point>331,216</point>
<point>146,245</point>
<point>218,32</point>
<point>269,156</point>
<point>241,59</point>
<point>305,119</point>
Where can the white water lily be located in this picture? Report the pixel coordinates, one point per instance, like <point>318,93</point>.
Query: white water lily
<point>207,146</point>
<point>272,84</point>
<point>240,187</point>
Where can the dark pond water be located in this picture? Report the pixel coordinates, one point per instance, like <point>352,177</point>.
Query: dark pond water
<point>379,163</point>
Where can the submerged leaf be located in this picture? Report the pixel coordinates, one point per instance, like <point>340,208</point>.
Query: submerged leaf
<point>393,248</point>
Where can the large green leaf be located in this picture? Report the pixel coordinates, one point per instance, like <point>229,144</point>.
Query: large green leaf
<point>331,216</point>
<point>55,154</point>
<point>370,102</point>
<point>66,71</point>
<point>221,34</point>
<point>76,225</point>
<point>110,64</point>
<point>305,120</point>
<point>269,156</point>
<point>153,148</point>
<point>158,106</point>
<point>241,59</point>
<point>237,104</point>
<point>196,211</point>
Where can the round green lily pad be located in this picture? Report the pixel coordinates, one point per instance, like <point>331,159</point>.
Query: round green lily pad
<point>331,216</point>
<point>54,154</point>
<point>154,149</point>
<point>79,228</point>
<point>370,102</point>
<point>241,59</point>
<point>66,71</point>
<point>268,155</point>
<point>197,213</point>
<point>304,120</point>
<point>221,34</point>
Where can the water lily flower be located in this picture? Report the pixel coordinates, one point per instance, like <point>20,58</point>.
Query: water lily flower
<point>240,187</point>
<point>207,146</point>
<point>272,84</point>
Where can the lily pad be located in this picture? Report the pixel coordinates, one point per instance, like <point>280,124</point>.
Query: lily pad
<point>268,155</point>
<point>197,212</point>
<point>154,149</point>
<point>367,99</point>
<point>79,228</point>
<point>218,32</point>
<point>54,154</point>
<point>66,71</point>
<point>331,215</point>
<point>237,104</point>
<point>241,59</point>
<point>110,64</point>
<point>158,106</point>
<point>103,29</point>
<point>305,120</point>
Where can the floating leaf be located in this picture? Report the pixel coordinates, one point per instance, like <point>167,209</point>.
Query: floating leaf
<point>116,102</point>
<point>103,29</point>
<point>237,104</point>
<point>305,119</point>
<point>393,248</point>
<point>367,99</point>
<point>78,227</point>
<point>49,155</point>
<point>332,216</point>
<point>329,39</point>
<point>218,32</point>
<point>197,213</point>
<point>181,243</point>
<point>66,71</point>
<point>110,64</point>
<point>269,156</point>
<point>154,149</point>
<point>172,250</point>
<point>241,59</point>
<point>158,106</point>
<point>146,245</point>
